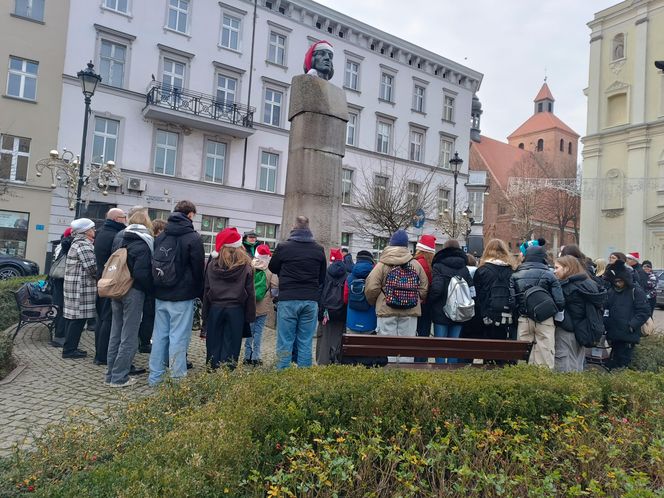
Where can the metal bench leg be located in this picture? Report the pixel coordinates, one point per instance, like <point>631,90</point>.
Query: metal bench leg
<point>18,327</point>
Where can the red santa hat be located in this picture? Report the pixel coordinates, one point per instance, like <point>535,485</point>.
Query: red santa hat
<point>308,57</point>
<point>335,255</point>
<point>228,237</point>
<point>263,250</point>
<point>633,255</point>
<point>427,243</point>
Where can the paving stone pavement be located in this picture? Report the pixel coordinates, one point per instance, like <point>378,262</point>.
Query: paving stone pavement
<point>50,387</point>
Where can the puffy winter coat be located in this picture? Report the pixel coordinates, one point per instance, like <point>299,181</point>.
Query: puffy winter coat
<point>447,263</point>
<point>393,256</point>
<point>627,311</point>
<point>579,291</point>
<point>486,276</point>
<point>534,271</point>
<point>356,320</point>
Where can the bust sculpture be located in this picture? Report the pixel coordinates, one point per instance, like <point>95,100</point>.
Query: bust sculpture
<point>318,60</point>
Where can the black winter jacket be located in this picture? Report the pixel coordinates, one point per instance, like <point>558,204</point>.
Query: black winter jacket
<point>580,290</point>
<point>104,243</point>
<point>447,263</point>
<point>301,265</point>
<point>641,276</point>
<point>335,272</point>
<point>528,275</point>
<point>139,261</point>
<point>628,310</point>
<point>190,260</point>
<point>485,278</point>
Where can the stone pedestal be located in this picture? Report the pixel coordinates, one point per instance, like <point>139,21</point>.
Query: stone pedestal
<point>318,114</point>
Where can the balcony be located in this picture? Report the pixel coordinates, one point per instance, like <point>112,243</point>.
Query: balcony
<point>198,111</point>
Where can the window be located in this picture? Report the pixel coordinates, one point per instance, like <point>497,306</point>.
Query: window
<point>158,214</point>
<point>165,152</point>
<point>413,195</point>
<point>112,63</point>
<point>443,200</point>
<point>352,75</point>
<point>346,239</point>
<point>173,74</point>
<point>476,206</point>
<point>215,161</point>
<point>178,13</point>
<point>230,32</point>
<point>22,78</point>
<point>562,145</point>
<point>14,233</point>
<point>448,108</point>
<point>502,209</point>
<point>540,106</point>
<point>550,106</point>
<point>351,128</point>
<point>416,145</point>
<point>618,51</point>
<point>210,227</point>
<point>418,98</point>
<point>117,5</point>
<point>33,9</point>
<point>226,88</point>
<point>383,134</point>
<point>267,233</point>
<point>272,109</point>
<point>14,158</point>
<point>446,148</point>
<point>268,172</point>
<point>104,140</point>
<point>521,146</point>
<point>569,148</point>
<point>346,185</point>
<point>277,49</point>
<point>379,243</point>
<point>540,145</point>
<point>386,87</point>
<point>380,187</point>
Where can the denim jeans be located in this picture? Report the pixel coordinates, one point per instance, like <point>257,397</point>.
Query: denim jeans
<point>170,339</point>
<point>252,345</point>
<point>123,341</point>
<point>452,331</point>
<point>296,324</point>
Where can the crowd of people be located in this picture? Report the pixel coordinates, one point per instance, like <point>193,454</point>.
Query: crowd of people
<point>562,305</point>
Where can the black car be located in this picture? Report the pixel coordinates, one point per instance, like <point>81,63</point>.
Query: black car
<point>14,266</point>
<point>660,288</point>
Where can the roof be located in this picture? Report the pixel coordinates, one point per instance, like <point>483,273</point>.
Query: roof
<point>499,158</point>
<point>542,121</point>
<point>544,93</point>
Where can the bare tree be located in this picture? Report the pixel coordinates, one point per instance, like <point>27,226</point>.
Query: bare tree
<point>524,198</point>
<point>388,198</point>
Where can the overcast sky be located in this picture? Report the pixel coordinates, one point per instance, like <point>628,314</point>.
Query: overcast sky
<point>511,42</point>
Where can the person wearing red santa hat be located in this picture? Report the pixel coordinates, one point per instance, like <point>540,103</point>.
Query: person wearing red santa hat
<point>262,286</point>
<point>641,275</point>
<point>229,299</point>
<point>424,251</point>
<point>318,60</point>
<point>331,311</point>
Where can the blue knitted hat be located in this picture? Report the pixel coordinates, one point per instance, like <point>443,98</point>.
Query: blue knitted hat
<point>399,238</point>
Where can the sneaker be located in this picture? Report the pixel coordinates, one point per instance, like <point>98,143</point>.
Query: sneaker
<point>130,382</point>
<point>247,361</point>
<point>137,371</point>
<point>77,353</point>
<point>190,365</point>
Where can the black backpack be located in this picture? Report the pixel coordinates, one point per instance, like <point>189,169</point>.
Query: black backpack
<point>499,298</point>
<point>332,297</point>
<point>539,304</point>
<point>164,262</point>
<point>589,331</point>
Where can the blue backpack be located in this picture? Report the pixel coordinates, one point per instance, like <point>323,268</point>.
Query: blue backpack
<point>356,298</point>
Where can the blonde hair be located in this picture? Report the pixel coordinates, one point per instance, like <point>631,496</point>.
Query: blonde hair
<point>600,265</point>
<point>428,256</point>
<point>141,218</point>
<point>571,266</point>
<point>497,249</point>
<point>232,257</point>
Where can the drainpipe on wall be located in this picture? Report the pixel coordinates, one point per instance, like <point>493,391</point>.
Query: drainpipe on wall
<point>251,74</point>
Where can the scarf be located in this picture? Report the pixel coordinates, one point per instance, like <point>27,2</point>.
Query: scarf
<point>143,233</point>
<point>301,235</point>
<point>260,262</point>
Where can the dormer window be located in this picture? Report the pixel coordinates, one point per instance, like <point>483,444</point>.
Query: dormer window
<point>618,51</point>
<point>540,145</point>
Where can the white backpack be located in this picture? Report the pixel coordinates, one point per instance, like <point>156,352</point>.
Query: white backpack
<point>460,306</point>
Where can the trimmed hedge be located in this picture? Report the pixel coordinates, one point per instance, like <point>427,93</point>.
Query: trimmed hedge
<point>649,354</point>
<point>343,431</point>
<point>8,311</point>
<point>7,362</point>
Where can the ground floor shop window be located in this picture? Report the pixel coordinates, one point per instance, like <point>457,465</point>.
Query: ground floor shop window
<point>13,232</point>
<point>267,233</point>
<point>210,227</point>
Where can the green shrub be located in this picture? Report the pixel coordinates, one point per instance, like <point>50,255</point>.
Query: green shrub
<point>7,362</point>
<point>342,431</point>
<point>649,354</point>
<point>8,310</point>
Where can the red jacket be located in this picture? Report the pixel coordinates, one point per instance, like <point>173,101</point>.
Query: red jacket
<point>427,269</point>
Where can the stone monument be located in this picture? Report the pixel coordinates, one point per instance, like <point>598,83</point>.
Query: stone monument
<point>318,114</point>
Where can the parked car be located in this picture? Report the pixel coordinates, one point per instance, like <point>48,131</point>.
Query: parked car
<point>14,266</point>
<point>660,288</point>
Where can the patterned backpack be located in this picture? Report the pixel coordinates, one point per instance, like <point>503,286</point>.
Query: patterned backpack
<point>402,287</point>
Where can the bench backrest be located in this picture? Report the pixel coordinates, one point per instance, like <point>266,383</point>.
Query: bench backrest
<point>22,295</point>
<point>430,347</point>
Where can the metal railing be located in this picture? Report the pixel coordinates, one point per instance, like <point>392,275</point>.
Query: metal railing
<point>199,104</point>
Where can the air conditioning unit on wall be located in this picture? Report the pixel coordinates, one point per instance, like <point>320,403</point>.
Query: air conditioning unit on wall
<point>136,184</point>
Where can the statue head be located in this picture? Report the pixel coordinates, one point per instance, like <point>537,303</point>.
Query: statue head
<point>318,60</point>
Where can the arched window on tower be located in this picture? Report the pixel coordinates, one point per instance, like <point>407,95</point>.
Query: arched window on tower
<point>521,146</point>
<point>550,105</point>
<point>540,145</point>
<point>569,148</point>
<point>539,107</point>
<point>562,145</point>
<point>618,51</point>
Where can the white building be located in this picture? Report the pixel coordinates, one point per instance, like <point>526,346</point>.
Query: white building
<point>179,79</point>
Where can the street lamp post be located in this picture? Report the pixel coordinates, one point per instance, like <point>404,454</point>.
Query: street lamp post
<point>456,163</point>
<point>89,81</point>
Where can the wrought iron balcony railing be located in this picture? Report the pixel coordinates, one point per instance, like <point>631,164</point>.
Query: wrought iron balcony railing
<point>199,104</point>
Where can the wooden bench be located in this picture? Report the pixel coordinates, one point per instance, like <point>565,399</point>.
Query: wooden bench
<point>358,345</point>
<point>30,313</point>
